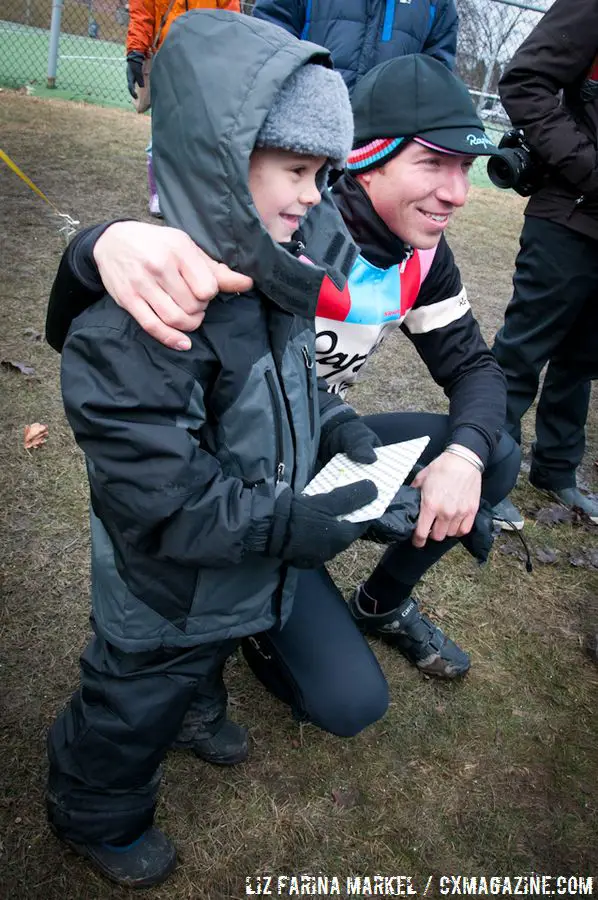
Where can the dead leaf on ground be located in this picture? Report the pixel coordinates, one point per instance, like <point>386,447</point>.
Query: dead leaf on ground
<point>35,435</point>
<point>546,555</point>
<point>33,334</point>
<point>584,559</point>
<point>16,366</point>
<point>345,799</point>
<point>554,515</point>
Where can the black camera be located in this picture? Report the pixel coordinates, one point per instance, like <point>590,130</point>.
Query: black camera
<point>518,167</point>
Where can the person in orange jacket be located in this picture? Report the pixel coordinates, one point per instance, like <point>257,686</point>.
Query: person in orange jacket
<point>149,21</point>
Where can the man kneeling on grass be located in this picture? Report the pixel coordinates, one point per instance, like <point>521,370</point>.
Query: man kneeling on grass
<point>416,137</point>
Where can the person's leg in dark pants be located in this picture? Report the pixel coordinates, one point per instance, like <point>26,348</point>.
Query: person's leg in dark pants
<point>319,663</point>
<point>206,730</point>
<point>564,399</point>
<point>556,272</point>
<point>384,605</point>
<point>106,746</point>
<point>560,441</point>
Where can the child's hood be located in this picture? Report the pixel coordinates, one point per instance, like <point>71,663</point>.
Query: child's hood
<point>213,83</point>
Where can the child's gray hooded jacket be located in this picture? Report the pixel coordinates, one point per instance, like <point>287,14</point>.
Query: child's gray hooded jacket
<point>187,452</point>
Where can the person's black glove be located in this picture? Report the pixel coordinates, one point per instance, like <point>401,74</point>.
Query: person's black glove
<point>481,537</point>
<point>346,433</point>
<point>306,531</point>
<point>399,521</point>
<point>135,71</point>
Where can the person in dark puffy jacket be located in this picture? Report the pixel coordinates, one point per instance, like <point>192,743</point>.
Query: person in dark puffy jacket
<point>196,468</point>
<point>362,33</point>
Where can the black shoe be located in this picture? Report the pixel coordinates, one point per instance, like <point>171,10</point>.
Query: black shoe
<point>421,642</point>
<point>227,747</point>
<point>147,861</point>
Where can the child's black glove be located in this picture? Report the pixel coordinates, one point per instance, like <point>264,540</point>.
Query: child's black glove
<point>346,433</point>
<point>306,531</point>
<point>481,537</point>
<point>399,521</point>
<point>135,71</point>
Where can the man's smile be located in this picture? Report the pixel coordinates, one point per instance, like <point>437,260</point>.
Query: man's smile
<point>440,218</point>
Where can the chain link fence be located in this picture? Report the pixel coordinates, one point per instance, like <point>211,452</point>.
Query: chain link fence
<point>490,31</point>
<point>75,48</point>
<point>83,61</point>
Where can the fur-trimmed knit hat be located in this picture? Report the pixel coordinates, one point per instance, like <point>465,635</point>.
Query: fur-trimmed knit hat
<point>311,114</point>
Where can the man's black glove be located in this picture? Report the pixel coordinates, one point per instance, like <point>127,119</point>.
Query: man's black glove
<point>306,531</point>
<point>399,521</point>
<point>346,433</point>
<point>135,71</point>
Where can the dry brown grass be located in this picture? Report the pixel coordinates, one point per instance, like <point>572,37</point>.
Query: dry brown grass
<point>495,775</point>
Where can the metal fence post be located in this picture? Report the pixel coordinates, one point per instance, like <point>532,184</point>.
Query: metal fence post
<point>57,6</point>
<point>491,65</point>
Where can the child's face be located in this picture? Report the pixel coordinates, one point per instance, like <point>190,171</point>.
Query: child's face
<point>283,187</point>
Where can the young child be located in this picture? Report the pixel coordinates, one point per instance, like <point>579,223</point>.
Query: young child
<point>196,462</point>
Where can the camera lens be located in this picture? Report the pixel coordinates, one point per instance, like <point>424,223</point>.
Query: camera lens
<point>504,171</point>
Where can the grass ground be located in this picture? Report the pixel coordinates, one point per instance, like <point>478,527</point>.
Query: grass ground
<point>497,775</point>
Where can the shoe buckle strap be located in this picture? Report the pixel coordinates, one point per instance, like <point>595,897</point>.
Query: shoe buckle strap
<point>436,641</point>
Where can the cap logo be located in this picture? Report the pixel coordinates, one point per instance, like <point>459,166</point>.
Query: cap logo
<point>475,140</point>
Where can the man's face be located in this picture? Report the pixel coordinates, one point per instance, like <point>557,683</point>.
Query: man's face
<point>416,193</point>
<point>283,187</point>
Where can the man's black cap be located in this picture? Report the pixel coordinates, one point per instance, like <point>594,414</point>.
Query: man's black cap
<point>417,96</point>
